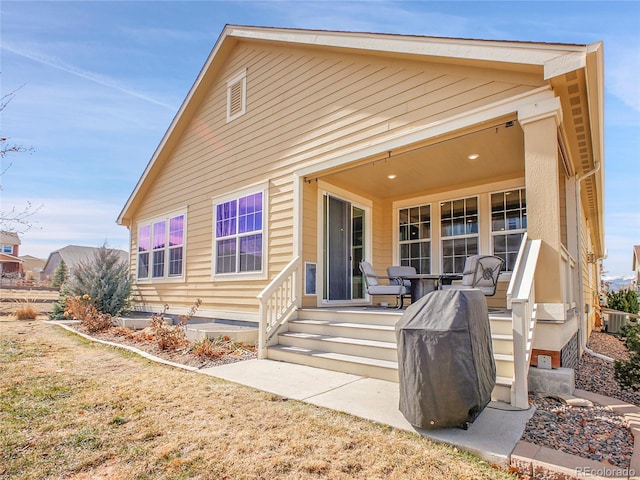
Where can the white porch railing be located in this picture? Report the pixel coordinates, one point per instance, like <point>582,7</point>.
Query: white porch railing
<point>278,301</point>
<point>521,302</point>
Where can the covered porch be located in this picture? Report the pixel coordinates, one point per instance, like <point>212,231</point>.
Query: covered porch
<point>426,206</point>
<point>500,186</point>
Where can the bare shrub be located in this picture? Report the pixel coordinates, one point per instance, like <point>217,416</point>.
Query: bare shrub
<point>171,337</point>
<point>207,349</point>
<point>82,308</point>
<point>221,346</point>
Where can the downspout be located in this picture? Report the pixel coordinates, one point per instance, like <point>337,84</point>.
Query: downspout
<point>581,329</point>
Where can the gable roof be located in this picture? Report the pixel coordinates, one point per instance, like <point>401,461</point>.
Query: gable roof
<point>75,254</point>
<point>9,238</point>
<point>548,59</point>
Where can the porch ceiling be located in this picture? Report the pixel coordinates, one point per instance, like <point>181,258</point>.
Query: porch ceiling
<point>439,166</point>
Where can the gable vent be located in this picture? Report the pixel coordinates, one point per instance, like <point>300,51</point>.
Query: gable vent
<point>237,96</point>
<point>236,99</point>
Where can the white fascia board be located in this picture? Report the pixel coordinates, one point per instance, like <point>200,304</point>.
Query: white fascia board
<point>484,50</point>
<point>564,64</point>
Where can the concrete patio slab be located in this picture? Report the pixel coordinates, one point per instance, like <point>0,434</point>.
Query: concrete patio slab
<point>285,379</point>
<point>368,398</point>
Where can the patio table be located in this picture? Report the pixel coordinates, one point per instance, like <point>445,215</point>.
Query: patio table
<point>423,283</point>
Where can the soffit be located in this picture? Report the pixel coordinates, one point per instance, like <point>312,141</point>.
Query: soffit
<point>440,166</point>
<point>582,139</point>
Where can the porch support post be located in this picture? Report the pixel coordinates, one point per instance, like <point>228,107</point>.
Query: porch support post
<point>540,122</point>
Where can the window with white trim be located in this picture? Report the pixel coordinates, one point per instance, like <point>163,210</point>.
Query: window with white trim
<point>7,249</point>
<point>415,237</point>
<point>161,248</point>
<point>237,96</point>
<point>458,232</point>
<point>238,235</point>
<point>508,224</point>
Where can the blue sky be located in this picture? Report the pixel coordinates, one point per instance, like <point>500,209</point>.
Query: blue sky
<point>99,83</point>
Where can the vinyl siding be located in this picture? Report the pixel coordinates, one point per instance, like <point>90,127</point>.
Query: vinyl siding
<point>589,282</point>
<point>304,106</point>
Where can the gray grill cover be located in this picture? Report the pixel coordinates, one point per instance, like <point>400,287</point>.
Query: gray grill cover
<point>445,360</point>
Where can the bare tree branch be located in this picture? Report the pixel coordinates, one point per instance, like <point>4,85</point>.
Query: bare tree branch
<point>14,220</point>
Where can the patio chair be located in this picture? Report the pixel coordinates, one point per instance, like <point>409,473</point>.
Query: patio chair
<point>373,287</point>
<point>480,271</point>
<point>397,273</point>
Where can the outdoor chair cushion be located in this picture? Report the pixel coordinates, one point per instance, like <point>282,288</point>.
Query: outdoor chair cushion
<point>397,271</point>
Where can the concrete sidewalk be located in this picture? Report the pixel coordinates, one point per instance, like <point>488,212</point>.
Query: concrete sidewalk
<point>492,436</point>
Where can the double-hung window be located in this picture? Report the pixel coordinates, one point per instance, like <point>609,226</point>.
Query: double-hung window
<point>508,224</point>
<point>239,234</point>
<point>459,232</point>
<point>161,248</point>
<point>415,237</point>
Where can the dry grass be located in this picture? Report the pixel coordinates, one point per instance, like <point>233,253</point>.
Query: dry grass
<point>72,409</point>
<point>25,312</point>
<point>40,300</point>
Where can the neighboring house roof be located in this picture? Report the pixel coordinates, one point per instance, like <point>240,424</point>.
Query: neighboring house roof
<point>9,238</point>
<point>548,60</point>
<point>31,263</point>
<point>74,255</point>
<point>6,258</point>
<point>636,257</point>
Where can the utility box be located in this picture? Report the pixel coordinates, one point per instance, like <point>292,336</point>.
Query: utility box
<point>615,321</point>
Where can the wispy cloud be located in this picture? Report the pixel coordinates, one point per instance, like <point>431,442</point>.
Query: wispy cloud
<point>87,75</point>
<point>623,69</point>
<point>65,221</point>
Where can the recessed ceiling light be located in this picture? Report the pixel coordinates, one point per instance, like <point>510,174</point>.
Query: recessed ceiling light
<point>391,176</point>
<point>473,156</point>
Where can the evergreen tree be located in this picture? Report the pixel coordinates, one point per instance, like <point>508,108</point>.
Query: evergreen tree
<point>105,279</point>
<point>60,275</point>
<point>60,305</point>
<point>624,300</point>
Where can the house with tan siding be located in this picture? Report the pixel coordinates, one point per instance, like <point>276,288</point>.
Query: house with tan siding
<point>298,153</point>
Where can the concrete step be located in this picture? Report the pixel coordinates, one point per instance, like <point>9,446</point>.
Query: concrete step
<point>502,343</point>
<point>361,341</point>
<point>504,365</point>
<point>238,333</point>
<point>382,333</point>
<point>502,390</point>
<point>346,345</point>
<point>501,325</point>
<point>363,315</point>
<point>339,362</point>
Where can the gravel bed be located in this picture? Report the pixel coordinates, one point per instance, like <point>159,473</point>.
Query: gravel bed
<point>594,432</point>
<point>597,375</point>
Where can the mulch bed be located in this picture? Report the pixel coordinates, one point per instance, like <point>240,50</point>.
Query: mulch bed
<point>593,432</point>
<point>232,352</point>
